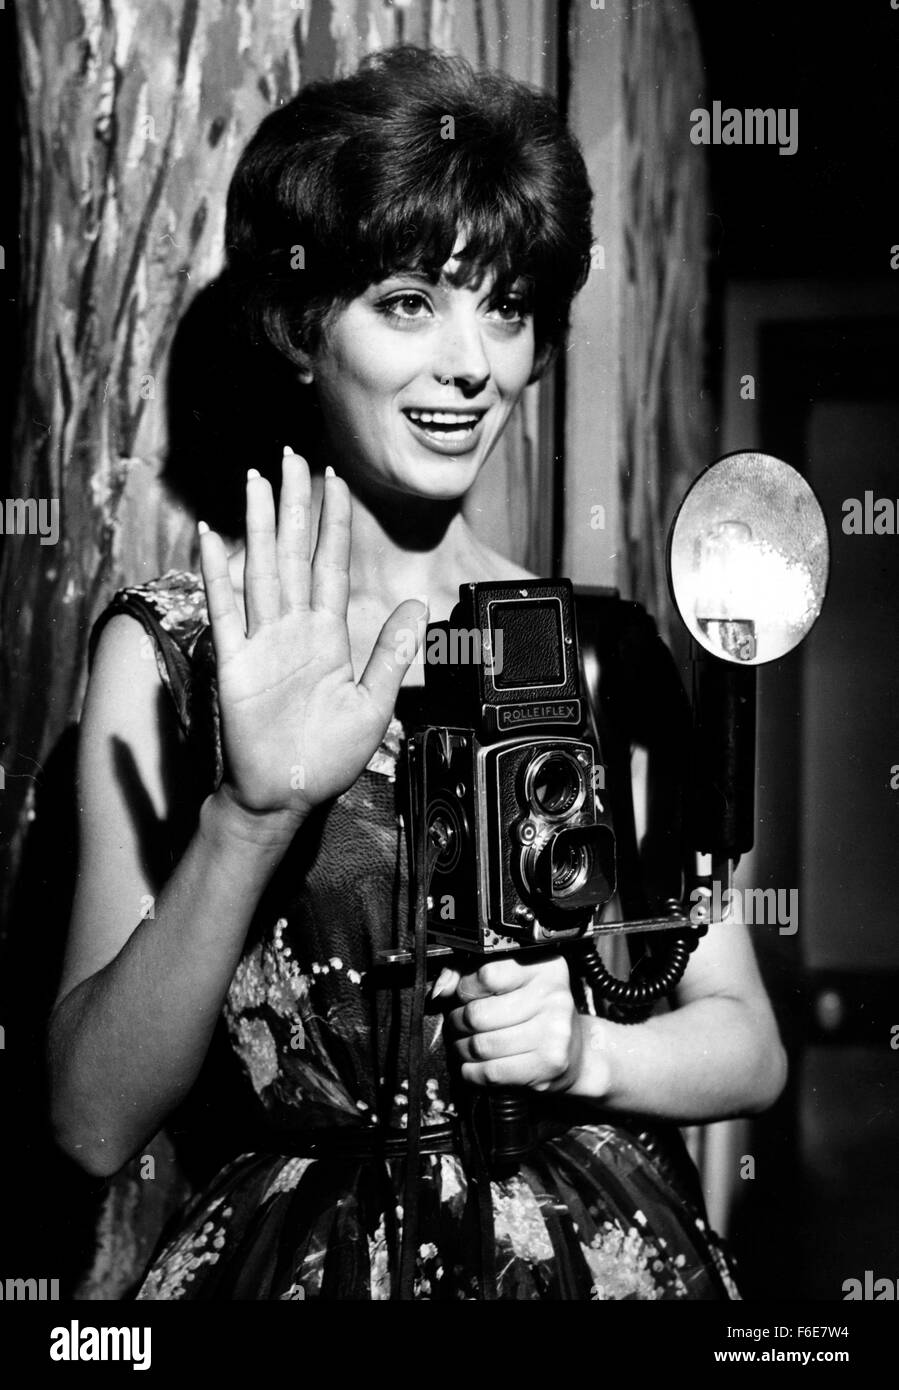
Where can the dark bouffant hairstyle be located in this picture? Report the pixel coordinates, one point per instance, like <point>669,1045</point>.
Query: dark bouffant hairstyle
<point>356,178</point>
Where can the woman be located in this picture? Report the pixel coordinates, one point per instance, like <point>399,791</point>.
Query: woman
<point>410,239</point>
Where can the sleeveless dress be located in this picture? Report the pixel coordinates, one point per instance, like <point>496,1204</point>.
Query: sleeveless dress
<point>605,1208</point>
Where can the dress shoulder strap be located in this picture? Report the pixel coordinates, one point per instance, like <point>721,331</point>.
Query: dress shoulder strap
<point>172,611</point>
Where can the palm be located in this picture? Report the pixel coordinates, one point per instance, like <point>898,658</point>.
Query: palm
<point>296,727</point>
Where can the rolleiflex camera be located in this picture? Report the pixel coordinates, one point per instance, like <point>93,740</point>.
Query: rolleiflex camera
<point>504,784</point>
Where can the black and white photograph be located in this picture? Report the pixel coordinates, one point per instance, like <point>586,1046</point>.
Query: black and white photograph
<point>449,671</point>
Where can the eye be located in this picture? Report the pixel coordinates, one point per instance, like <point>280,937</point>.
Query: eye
<point>511,309</point>
<point>407,307</point>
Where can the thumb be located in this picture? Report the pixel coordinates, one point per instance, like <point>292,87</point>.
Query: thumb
<point>398,643</point>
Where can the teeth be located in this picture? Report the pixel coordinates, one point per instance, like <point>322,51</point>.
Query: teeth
<point>435,417</point>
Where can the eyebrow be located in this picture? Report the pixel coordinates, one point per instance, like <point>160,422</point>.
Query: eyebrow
<point>409,272</point>
<point>441,280</point>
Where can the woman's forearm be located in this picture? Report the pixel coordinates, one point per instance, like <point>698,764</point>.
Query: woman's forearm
<point>126,1044</point>
<point>711,1059</point>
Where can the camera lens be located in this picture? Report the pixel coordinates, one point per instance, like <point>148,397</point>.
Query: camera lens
<point>570,875</point>
<point>555,785</point>
<point>570,869</point>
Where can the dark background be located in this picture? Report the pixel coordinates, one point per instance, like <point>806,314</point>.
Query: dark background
<point>828,211</point>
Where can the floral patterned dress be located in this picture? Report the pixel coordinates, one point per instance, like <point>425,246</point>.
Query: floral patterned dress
<point>602,1209</point>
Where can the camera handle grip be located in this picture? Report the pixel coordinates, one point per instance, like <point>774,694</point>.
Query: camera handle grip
<point>506,1132</point>
<point>511,1133</point>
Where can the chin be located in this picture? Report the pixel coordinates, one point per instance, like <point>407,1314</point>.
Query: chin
<point>440,480</point>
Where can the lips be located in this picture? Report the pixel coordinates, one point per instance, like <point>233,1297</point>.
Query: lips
<point>446,431</point>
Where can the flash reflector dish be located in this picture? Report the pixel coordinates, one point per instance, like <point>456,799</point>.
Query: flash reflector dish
<point>748,559</point>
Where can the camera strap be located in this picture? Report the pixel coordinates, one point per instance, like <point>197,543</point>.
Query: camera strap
<point>422,860</point>
<point>478,1175</point>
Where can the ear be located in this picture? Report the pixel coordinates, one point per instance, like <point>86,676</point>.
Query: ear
<point>305,373</point>
<point>277,330</point>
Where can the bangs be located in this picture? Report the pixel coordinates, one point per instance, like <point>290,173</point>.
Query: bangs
<point>487,231</point>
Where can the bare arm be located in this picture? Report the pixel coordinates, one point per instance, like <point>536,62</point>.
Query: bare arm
<point>140,997</point>
<point>716,1054</point>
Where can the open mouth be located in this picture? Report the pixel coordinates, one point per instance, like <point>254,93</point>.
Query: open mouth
<point>446,426</point>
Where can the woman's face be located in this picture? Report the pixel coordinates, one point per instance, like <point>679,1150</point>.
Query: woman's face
<point>417,381</point>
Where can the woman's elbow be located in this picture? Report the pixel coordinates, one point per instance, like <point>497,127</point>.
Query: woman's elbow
<point>71,1129</point>
<point>767,1076</point>
<point>93,1155</point>
<point>73,1134</point>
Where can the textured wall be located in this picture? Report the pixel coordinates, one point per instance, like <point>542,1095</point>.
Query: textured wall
<point>666,428</point>
<point>638,423</point>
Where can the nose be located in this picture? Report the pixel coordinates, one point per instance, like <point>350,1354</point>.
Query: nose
<point>460,359</point>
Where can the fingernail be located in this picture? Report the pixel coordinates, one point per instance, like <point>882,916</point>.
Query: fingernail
<point>202,528</point>
<point>253,473</point>
<point>423,598</point>
<point>329,472</point>
<point>441,983</point>
<point>287,451</point>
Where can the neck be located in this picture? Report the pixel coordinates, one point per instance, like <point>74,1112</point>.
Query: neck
<point>405,546</point>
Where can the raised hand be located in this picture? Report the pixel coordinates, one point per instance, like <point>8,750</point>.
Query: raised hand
<point>296,727</point>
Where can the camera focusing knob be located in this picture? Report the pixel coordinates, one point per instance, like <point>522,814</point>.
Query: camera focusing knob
<point>438,834</point>
<point>527,832</point>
